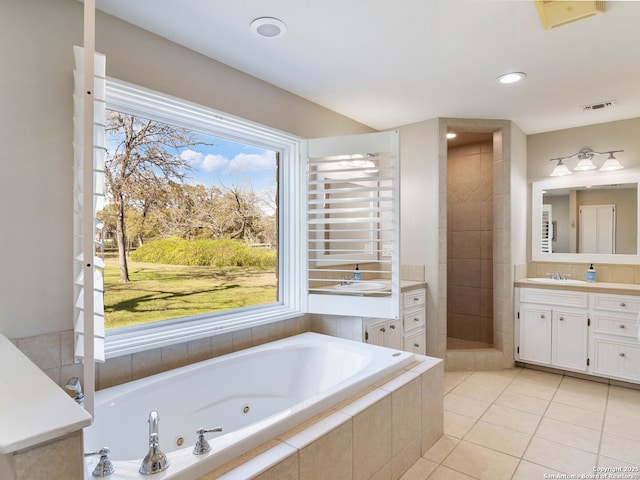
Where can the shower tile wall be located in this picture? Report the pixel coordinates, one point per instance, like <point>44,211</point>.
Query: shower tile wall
<point>470,243</point>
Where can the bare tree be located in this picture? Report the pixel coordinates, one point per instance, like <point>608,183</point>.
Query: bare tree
<point>143,160</point>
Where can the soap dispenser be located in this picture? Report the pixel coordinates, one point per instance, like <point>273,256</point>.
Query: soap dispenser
<point>356,273</point>
<point>591,274</point>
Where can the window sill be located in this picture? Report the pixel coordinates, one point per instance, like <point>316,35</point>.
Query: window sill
<point>136,339</point>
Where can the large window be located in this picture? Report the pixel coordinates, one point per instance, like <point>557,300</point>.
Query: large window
<point>200,206</point>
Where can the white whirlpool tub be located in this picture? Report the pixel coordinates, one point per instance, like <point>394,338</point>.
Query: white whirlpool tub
<point>254,395</point>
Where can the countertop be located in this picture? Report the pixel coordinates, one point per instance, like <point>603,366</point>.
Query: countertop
<point>406,285</point>
<point>590,287</point>
<point>33,409</point>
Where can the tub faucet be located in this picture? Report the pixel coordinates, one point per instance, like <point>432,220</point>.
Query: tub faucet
<point>202,446</point>
<point>155,461</point>
<point>104,468</point>
<point>74,385</point>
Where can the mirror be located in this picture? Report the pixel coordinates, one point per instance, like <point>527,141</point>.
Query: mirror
<point>586,218</point>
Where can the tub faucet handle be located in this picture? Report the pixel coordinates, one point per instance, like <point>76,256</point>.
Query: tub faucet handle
<point>104,468</point>
<point>202,446</point>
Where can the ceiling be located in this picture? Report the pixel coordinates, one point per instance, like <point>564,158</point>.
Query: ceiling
<point>386,63</point>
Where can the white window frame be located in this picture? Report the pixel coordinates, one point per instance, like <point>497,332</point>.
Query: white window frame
<point>129,98</point>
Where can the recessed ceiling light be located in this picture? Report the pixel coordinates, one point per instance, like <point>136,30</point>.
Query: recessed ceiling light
<point>511,77</point>
<point>451,135</point>
<point>268,27</point>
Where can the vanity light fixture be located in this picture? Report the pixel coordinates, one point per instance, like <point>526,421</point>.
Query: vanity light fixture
<point>585,162</point>
<point>611,163</point>
<point>561,169</point>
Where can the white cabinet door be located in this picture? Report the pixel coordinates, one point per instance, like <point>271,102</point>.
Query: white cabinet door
<point>617,359</point>
<point>375,332</point>
<point>415,343</point>
<point>569,340</point>
<point>393,334</point>
<point>535,334</point>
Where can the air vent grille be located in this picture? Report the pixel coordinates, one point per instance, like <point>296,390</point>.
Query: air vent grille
<point>598,106</point>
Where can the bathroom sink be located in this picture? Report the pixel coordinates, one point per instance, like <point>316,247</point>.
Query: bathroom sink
<point>362,286</point>
<point>551,281</point>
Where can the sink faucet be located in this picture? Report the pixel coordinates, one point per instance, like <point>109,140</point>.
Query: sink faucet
<point>155,461</point>
<point>555,276</point>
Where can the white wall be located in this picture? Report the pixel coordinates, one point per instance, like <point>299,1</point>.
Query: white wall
<point>419,206</point>
<point>36,85</point>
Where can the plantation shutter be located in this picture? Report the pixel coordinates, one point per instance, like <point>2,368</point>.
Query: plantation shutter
<point>88,199</point>
<point>547,229</point>
<point>352,203</point>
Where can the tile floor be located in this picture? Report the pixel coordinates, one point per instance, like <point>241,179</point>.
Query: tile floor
<point>524,424</point>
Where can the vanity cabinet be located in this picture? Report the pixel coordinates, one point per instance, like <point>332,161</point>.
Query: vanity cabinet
<point>384,332</point>
<point>405,333</point>
<point>413,310</point>
<point>596,333</point>
<point>615,344</point>
<point>553,328</point>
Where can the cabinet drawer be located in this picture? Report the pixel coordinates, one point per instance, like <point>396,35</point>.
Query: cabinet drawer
<point>616,303</point>
<point>413,298</point>
<point>619,360</point>
<point>624,325</point>
<point>415,343</point>
<point>414,319</point>
<point>554,297</point>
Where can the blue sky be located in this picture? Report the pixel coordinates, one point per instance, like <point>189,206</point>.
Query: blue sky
<point>229,163</point>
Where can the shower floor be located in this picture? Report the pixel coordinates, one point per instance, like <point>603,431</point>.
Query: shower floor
<point>460,344</point>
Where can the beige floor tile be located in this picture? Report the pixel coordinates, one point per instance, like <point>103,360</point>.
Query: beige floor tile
<point>575,415</point>
<point>531,389</point>
<point>537,406</point>
<point>568,434</point>
<point>443,447</point>
<point>623,426</point>
<point>582,400</point>
<point>512,418</point>
<point>487,392</point>
<point>620,448</point>
<point>624,402</point>
<point>529,471</point>
<point>540,378</point>
<point>498,438</point>
<point>456,425</point>
<point>452,379</point>
<point>420,470</point>
<point>587,387</point>
<point>467,406</point>
<point>501,378</point>
<point>481,462</point>
<point>444,473</point>
<point>557,456</point>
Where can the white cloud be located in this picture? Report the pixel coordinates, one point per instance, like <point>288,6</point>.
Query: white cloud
<point>242,162</point>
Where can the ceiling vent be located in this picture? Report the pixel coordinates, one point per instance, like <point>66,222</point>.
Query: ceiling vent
<point>556,13</point>
<point>598,106</point>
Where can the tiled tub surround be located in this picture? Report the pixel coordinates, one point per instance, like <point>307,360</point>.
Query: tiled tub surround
<point>378,434</point>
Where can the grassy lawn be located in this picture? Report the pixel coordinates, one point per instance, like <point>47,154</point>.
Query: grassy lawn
<point>159,292</point>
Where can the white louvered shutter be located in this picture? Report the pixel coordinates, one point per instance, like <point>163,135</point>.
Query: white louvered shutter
<point>353,220</point>
<point>88,199</point>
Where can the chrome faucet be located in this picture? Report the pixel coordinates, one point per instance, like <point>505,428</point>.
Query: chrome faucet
<point>104,468</point>
<point>155,461</point>
<point>74,385</point>
<point>202,446</point>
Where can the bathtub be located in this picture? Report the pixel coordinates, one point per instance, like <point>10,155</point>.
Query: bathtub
<point>254,395</point>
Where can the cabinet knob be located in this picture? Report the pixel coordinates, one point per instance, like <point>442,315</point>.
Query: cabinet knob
<point>382,329</point>
<point>416,319</point>
<point>622,304</point>
<point>416,345</point>
<point>561,319</point>
<point>542,315</point>
<point>392,327</point>
<point>416,299</point>
<point>622,325</point>
<point>621,354</point>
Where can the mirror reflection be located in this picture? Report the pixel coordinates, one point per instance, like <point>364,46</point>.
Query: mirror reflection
<point>590,219</point>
